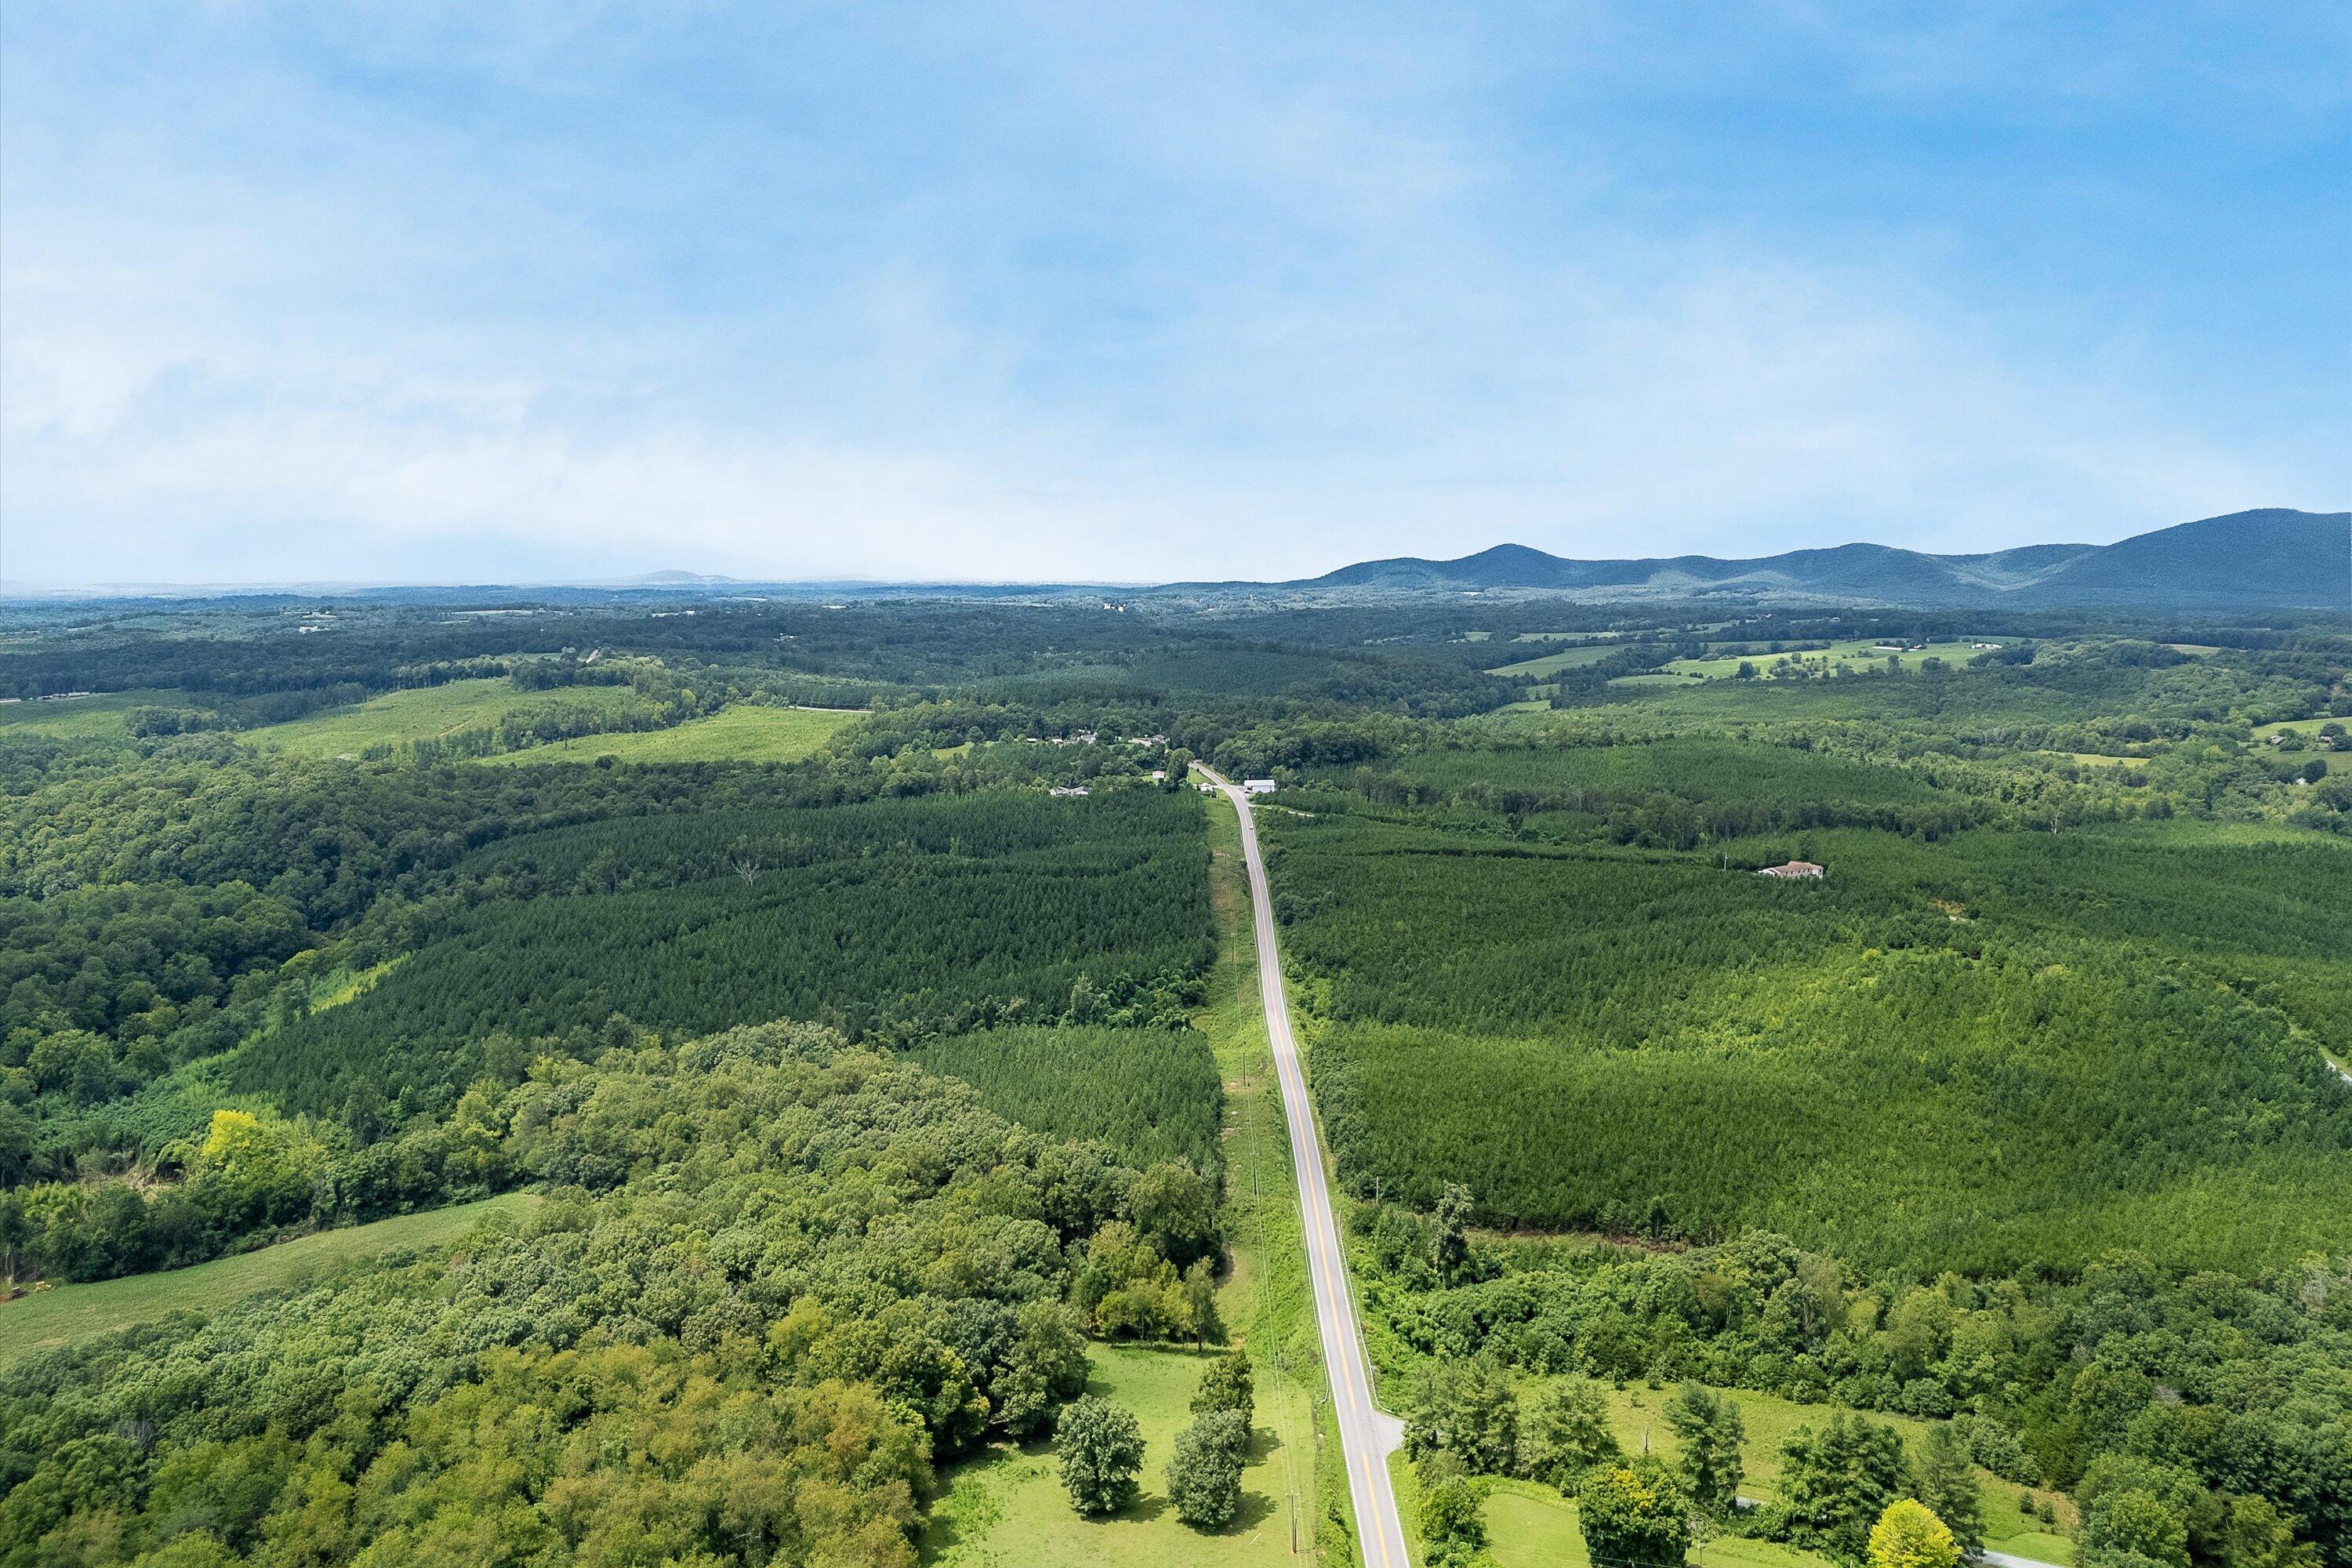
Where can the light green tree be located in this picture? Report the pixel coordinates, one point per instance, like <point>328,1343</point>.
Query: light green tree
<point>1909,1535</point>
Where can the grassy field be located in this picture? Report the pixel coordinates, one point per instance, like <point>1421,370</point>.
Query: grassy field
<point>45,1320</point>
<point>1007,1509</point>
<point>2303,727</point>
<point>1841,657</point>
<point>425,713</point>
<point>2093,759</point>
<point>103,714</point>
<point>742,733</point>
<point>1529,1525</point>
<point>1553,663</point>
<point>1771,1421</point>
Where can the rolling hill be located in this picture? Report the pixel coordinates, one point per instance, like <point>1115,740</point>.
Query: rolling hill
<point>2263,559</point>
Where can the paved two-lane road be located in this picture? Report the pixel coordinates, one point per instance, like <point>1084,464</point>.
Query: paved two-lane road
<point>1366,1435</point>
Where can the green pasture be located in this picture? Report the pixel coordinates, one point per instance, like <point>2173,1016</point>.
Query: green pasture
<point>99,715</point>
<point>1841,659</point>
<point>1530,1525</point>
<point>742,733</point>
<point>425,713</point>
<point>1770,1422</point>
<point>1553,663</point>
<point>2306,728</point>
<point>1007,1507</point>
<point>45,1320</point>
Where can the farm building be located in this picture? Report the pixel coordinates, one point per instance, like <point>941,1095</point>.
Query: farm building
<point>1257,786</point>
<point>1793,870</point>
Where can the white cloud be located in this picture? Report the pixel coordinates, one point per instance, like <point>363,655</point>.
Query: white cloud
<point>1061,306</point>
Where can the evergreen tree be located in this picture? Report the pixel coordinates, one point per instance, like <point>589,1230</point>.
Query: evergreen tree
<point>1468,1408</point>
<point>1945,1482</point>
<point>1564,1432</point>
<point>1835,1483</point>
<point>1711,1430</point>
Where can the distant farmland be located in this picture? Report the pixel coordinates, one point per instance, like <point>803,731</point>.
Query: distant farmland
<point>430,712</point>
<point>738,734</point>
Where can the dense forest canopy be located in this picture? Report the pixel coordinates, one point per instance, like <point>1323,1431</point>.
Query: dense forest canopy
<point>847,1060</point>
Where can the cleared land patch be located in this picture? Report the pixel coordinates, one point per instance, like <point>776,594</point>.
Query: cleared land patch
<point>100,714</point>
<point>1553,663</point>
<point>1008,1507</point>
<point>1849,657</point>
<point>740,733</point>
<point>428,713</point>
<point>45,1320</point>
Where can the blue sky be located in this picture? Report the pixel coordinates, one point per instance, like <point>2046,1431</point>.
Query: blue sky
<point>526,292</point>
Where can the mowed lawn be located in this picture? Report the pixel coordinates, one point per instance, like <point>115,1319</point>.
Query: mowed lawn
<point>45,1320</point>
<point>1006,1509</point>
<point>742,733</point>
<point>427,712</point>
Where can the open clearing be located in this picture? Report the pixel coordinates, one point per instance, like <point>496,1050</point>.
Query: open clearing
<point>1007,1507</point>
<point>1771,1421</point>
<point>1841,658</point>
<point>2306,728</point>
<point>742,733</point>
<point>1529,1525</point>
<point>1553,663</point>
<point>101,713</point>
<point>48,1319</point>
<point>427,713</point>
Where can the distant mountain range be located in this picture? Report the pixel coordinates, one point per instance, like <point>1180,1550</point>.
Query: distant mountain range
<point>2266,560</point>
<point>2246,562</point>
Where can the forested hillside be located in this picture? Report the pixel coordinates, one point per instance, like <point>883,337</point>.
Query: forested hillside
<point>777,1279</point>
<point>2027,1114</point>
